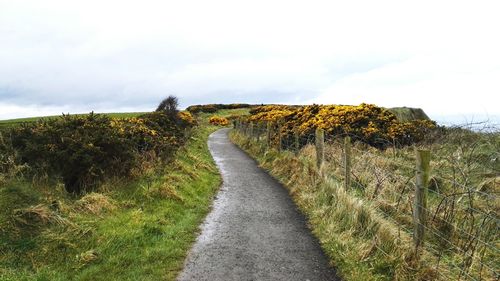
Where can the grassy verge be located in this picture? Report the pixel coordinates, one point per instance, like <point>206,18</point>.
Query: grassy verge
<point>361,243</point>
<point>17,121</point>
<point>135,230</point>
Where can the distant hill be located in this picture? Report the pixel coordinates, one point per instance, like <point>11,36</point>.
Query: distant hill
<point>409,113</point>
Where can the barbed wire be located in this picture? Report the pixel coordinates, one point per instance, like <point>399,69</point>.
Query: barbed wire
<point>450,263</point>
<point>367,164</point>
<point>389,217</point>
<point>455,247</point>
<point>469,208</point>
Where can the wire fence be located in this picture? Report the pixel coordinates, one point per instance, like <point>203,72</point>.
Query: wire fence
<point>445,213</point>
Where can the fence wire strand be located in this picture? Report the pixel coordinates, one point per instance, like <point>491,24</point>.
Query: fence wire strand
<point>365,160</point>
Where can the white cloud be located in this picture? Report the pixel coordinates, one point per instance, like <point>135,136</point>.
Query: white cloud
<point>84,55</point>
<point>441,85</point>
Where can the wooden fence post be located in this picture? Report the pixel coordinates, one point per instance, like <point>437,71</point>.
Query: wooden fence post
<point>420,201</point>
<point>347,163</point>
<point>320,147</point>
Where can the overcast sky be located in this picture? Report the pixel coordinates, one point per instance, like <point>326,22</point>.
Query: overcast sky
<point>78,56</point>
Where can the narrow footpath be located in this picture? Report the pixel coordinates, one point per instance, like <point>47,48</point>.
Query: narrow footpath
<point>254,231</point>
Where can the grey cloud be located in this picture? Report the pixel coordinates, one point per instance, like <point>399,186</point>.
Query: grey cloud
<point>105,55</point>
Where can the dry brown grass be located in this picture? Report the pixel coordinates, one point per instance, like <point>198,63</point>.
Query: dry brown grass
<point>87,257</point>
<point>95,203</point>
<point>463,205</point>
<point>38,215</point>
<point>167,190</point>
<point>361,242</point>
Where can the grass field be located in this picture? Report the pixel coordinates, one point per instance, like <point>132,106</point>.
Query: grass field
<point>129,230</point>
<point>17,121</point>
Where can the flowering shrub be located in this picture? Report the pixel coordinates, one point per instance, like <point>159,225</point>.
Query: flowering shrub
<point>270,113</point>
<point>212,108</point>
<point>208,108</point>
<point>267,108</point>
<point>407,133</point>
<point>366,122</point>
<point>8,157</point>
<point>84,150</point>
<point>218,121</point>
<point>187,118</point>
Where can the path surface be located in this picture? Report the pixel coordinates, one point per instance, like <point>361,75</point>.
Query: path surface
<point>254,231</point>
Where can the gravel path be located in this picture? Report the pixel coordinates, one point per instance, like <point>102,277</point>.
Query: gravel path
<point>254,231</point>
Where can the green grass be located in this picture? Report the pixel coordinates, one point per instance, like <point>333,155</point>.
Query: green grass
<point>132,230</point>
<point>17,121</point>
<point>234,112</point>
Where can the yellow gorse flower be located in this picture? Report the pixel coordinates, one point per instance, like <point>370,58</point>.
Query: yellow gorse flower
<point>365,122</point>
<point>218,121</point>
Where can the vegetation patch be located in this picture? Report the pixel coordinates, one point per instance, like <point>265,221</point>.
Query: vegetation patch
<point>368,123</point>
<point>85,150</point>
<point>5,124</point>
<point>131,230</point>
<point>212,108</point>
<point>367,228</point>
<point>218,121</point>
<point>351,233</point>
<point>134,227</point>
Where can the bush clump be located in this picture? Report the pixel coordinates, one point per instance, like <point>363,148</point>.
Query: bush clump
<point>218,121</point>
<point>367,123</point>
<point>187,118</point>
<point>8,158</point>
<point>85,150</point>
<point>212,108</point>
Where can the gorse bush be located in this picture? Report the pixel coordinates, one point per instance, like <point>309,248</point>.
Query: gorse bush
<point>82,150</point>
<point>85,150</point>
<point>368,123</point>
<point>8,158</point>
<point>272,108</point>
<point>212,108</point>
<point>187,118</point>
<point>209,108</point>
<point>218,121</point>
<point>410,132</point>
<point>168,131</point>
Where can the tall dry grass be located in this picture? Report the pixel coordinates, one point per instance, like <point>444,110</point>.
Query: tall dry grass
<point>367,229</point>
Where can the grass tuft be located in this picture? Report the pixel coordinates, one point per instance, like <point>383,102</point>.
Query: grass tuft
<point>95,203</point>
<point>361,243</point>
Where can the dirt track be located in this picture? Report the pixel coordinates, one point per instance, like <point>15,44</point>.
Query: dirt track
<point>254,231</point>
